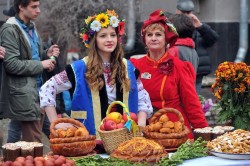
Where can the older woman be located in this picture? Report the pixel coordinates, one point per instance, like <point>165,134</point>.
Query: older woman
<point>169,81</point>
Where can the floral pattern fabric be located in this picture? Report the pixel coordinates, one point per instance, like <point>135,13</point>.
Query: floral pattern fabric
<point>60,83</point>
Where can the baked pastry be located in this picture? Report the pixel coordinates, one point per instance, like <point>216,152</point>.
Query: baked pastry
<point>227,128</point>
<point>217,132</point>
<point>204,133</point>
<point>209,133</point>
<point>11,151</point>
<point>139,149</point>
<point>81,131</point>
<point>21,148</point>
<point>72,142</point>
<point>61,133</point>
<point>38,149</point>
<point>166,132</point>
<point>236,142</point>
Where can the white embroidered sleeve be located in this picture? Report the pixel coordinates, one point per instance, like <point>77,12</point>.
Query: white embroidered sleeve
<point>144,102</point>
<point>53,86</point>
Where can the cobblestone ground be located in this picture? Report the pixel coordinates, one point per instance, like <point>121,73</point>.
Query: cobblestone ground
<point>206,92</point>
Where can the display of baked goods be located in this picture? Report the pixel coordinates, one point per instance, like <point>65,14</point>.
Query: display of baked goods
<point>55,160</point>
<point>74,141</point>
<point>21,148</point>
<point>139,149</point>
<point>166,132</point>
<point>209,133</point>
<point>236,142</point>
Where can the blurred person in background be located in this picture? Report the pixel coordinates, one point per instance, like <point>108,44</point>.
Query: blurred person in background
<point>204,37</point>
<point>2,54</point>
<point>8,13</point>
<point>24,64</point>
<point>184,47</point>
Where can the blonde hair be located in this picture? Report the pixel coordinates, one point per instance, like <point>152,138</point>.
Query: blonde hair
<point>95,67</point>
<point>154,26</point>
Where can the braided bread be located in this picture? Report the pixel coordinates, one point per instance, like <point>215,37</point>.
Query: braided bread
<point>139,149</point>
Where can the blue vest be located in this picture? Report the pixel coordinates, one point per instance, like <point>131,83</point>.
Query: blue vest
<point>86,106</point>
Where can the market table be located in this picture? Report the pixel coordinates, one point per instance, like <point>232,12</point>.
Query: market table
<point>209,161</point>
<point>215,161</point>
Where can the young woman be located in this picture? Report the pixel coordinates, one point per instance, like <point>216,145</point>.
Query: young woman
<point>98,79</point>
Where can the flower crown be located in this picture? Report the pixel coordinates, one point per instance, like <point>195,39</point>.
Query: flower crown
<point>95,23</point>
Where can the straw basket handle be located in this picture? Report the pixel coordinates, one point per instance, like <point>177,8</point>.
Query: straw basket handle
<point>130,124</point>
<point>63,120</point>
<point>162,111</point>
<point>125,108</point>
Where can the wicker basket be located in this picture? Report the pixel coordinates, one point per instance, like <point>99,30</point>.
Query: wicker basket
<point>111,139</point>
<point>72,146</point>
<point>170,140</point>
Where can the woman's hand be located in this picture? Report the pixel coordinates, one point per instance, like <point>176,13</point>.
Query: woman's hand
<point>51,113</point>
<point>142,117</point>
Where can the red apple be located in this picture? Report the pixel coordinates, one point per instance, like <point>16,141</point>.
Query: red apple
<point>120,125</point>
<point>102,127</point>
<point>133,117</point>
<point>122,121</point>
<point>124,117</point>
<point>110,125</point>
<point>7,163</point>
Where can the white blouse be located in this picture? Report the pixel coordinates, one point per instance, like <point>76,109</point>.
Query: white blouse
<point>60,83</point>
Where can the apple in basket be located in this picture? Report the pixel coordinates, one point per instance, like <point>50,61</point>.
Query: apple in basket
<point>115,116</point>
<point>109,125</point>
<point>132,115</point>
<point>120,125</point>
<point>102,127</point>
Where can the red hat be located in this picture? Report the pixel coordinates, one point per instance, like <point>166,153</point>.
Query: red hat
<point>159,17</point>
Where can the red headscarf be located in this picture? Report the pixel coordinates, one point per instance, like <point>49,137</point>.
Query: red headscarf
<point>159,17</point>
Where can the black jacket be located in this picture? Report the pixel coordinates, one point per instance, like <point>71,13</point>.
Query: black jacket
<point>204,37</point>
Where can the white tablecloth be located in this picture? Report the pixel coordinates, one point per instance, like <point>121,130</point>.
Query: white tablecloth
<point>209,161</point>
<point>215,161</point>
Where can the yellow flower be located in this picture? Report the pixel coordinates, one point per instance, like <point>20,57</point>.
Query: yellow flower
<point>90,18</point>
<point>112,13</point>
<point>217,94</point>
<point>231,88</point>
<point>103,19</point>
<point>86,45</point>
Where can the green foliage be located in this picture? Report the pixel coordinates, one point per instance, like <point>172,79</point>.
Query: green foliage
<point>186,151</point>
<point>232,87</point>
<point>99,161</point>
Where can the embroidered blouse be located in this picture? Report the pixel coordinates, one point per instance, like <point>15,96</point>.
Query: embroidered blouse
<point>61,82</point>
